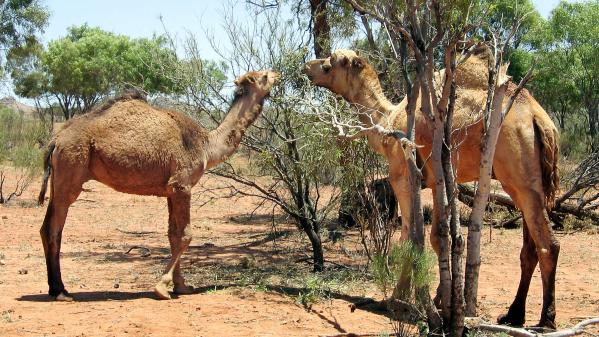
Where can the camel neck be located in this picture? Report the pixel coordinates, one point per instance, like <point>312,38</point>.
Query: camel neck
<point>225,139</point>
<point>372,105</point>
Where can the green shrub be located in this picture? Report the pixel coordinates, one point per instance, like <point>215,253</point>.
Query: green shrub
<point>404,262</point>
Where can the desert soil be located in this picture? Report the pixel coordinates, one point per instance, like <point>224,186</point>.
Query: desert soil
<point>250,282</point>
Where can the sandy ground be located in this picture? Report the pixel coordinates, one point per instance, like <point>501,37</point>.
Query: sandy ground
<point>248,284</point>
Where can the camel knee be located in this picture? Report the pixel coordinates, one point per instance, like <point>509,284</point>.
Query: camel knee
<point>405,231</point>
<point>187,234</point>
<point>548,254</point>
<point>166,279</point>
<point>44,233</point>
<point>528,261</point>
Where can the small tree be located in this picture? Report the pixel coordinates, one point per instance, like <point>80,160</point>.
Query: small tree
<point>89,64</point>
<point>571,39</point>
<point>21,22</point>
<point>291,167</point>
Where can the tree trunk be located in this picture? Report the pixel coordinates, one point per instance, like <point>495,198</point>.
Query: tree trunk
<point>496,93</point>
<point>593,111</point>
<point>457,241</point>
<point>317,253</point>
<point>441,207</point>
<point>321,30</point>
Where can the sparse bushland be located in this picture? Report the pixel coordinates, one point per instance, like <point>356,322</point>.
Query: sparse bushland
<point>292,164</point>
<point>20,152</point>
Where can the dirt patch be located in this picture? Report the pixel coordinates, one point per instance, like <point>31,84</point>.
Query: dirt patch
<point>249,280</point>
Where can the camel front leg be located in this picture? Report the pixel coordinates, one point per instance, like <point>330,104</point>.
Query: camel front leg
<point>175,241</point>
<point>435,243</point>
<point>179,234</point>
<point>402,189</point>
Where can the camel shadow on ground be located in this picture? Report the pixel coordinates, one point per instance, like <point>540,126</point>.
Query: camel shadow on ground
<point>124,253</point>
<point>93,296</point>
<point>360,303</point>
<point>354,302</point>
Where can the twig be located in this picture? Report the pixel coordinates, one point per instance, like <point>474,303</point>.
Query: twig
<point>351,334</point>
<point>135,232</point>
<point>146,251</point>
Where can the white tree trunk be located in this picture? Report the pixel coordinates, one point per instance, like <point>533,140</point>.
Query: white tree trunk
<point>488,145</point>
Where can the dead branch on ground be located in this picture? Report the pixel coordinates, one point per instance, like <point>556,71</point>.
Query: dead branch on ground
<point>521,332</point>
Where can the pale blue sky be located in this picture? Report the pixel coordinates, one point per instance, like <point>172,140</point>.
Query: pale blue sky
<point>138,18</point>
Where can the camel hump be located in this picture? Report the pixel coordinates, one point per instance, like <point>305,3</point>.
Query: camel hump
<point>549,140</point>
<point>127,94</point>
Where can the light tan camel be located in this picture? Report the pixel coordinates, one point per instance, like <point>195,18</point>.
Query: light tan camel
<point>525,160</point>
<point>135,148</point>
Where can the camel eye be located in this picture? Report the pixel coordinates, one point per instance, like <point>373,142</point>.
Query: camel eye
<point>239,91</point>
<point>326,68</point>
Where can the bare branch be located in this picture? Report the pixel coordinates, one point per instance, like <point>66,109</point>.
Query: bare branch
<point>578,329</point>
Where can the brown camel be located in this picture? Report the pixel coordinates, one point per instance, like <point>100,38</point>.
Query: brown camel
<point>135,148</point>
<point>525,160</point>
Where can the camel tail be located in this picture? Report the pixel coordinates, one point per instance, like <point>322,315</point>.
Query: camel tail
<point>549,141</point>
<point>47,171</point>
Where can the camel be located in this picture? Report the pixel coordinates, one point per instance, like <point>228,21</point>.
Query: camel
<point>525,161</point>
<point>138,149</point>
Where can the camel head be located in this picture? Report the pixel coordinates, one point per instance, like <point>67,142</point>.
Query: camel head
<point>345,73</point>
<point>256,83</point>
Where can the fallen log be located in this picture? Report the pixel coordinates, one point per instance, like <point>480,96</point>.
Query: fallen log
<point>521,332</point>
<point>466,196</point>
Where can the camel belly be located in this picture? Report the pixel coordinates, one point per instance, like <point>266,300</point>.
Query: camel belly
<point>130,177</point>
<point>465,155</point>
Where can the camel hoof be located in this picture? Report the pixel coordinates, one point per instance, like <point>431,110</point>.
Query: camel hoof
<point>508,319</point>
<point>184,290</point>
<point>546,325</point>
<point>161,291</point>
<point>63,297</point>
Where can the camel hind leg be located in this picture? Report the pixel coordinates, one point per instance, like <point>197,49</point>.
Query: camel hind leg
<point>64,191</point>
<point>540,241</point>
<point>516,314</point>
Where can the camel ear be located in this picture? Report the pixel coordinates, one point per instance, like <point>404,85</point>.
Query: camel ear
<point>358,62</point>
<point>344,61</point>
<point>245,79</point>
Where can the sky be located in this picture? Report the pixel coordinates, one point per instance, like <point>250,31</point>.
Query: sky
<point>137,18</point>
<point>141,18</point>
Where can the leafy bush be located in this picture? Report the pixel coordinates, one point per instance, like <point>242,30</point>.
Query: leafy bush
<point>404,262</point>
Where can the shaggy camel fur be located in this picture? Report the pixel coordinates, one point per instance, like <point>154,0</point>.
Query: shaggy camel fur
<point>525,160</point>
<point>135,148</point>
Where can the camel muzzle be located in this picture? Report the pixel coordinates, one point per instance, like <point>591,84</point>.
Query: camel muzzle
<point>313,68</point>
